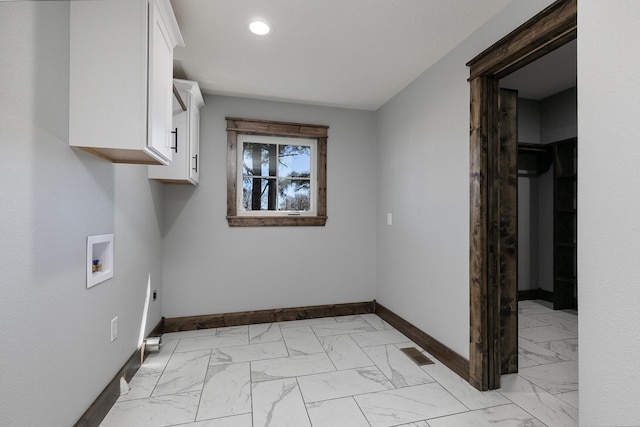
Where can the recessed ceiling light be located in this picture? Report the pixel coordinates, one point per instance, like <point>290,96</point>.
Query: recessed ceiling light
<point>260,27</point>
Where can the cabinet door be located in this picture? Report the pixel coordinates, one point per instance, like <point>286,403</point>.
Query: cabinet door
<point>194,144</point>
<point>160,84</point>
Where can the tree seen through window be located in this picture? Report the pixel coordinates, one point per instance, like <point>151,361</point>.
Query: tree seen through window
<point>276,176</point>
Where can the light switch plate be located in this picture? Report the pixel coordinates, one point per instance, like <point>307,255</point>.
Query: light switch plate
<point>114,328</point>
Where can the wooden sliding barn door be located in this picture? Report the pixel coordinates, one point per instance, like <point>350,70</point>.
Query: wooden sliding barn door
<point>508,229</point>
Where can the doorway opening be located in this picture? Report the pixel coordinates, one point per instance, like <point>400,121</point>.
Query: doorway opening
<point>547,177</point>
<point>493,191</point>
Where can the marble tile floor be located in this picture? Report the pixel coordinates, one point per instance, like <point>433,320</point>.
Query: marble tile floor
<point>346,371</point>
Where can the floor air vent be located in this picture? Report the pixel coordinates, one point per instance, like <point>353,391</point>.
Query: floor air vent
<point>415,355</point>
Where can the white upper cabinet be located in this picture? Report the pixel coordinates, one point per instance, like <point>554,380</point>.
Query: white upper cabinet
<point>184,168</point>
<point>121,69</point>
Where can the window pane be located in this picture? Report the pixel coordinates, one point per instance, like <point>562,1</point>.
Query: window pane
<point>294,161</point>
<point>259,159</point>
<point>294,195</point>
<point>258,194</point>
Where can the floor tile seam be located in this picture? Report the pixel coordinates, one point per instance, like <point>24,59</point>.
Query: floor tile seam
<point>304,375</point>
<point>183,391</point>
<point>555,325</point>
<point>204,383</point>
<point>448,415</point>
<point>535,386</point>
<point>524,351</point>
<point>453,395</point>
<point>333,363</point>
<point>393,370</point>
<point>376,365</point>
<point>562,357</point>
<point>283,324</point>
<point>547,363</point>
<point>561,339</point>
<point>251,385</point>
<point>552,363</point>
<point>351,396</point>
<point>360,409</point>
<point>558,393</point>
<point>203,332</point>
<point>267,342</point>
<point>325,351</point>
<point>525,410</point>
<point>304,403</point>
<point>407,339</point>
<point>562,312</point>
<point>208,419</point>
<point>279,330</point>
<point>532,309</point>
<point>520,354</point>
<point>551,326</point>
<point>538,343</point>
<point>323,373</point>
<point>534,314</point>
<point>532,381</point>
<point>554,315</point>
<point>371,324</point>
<point>234,346</point>
<point>346,331</point>
<point>244,361</point>
<point>164,369</point>
<point>150,398</point>
<point>529,327</point>
<point>212,336</point>
<point>568,403</point>
<point>418,385</point>
<point>467,412</point>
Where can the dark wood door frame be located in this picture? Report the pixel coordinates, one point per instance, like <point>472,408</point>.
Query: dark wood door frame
<point>545,32</point>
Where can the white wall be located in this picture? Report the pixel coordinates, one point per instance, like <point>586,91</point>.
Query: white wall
<point>608,206</point>
<point>56,355</point>
<point>423,179</point>
<point>212,268</point>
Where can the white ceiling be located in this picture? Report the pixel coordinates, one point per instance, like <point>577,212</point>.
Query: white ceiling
<point>344,53</point>
<point>553,73</point>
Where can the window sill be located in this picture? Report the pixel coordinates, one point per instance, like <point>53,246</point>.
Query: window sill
<point>276,221</point>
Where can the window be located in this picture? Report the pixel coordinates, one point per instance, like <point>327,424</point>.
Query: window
<point>276,173</point>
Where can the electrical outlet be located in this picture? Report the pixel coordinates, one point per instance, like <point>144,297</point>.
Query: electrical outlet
<point>389,218</point>
<point>114,328</point>
<point>155,294</point>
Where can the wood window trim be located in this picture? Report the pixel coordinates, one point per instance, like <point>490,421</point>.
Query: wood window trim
<point>553,27</point>
<point>237,126</point>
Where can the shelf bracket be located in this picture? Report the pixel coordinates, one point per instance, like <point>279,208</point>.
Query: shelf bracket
<point>179,98</point>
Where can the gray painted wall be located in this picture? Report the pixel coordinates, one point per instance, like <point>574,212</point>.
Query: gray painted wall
<point>528,236</point>
<point>528,193</point>
<point>528,121</point>
<point>212,268</point>
<point>608,206</point>
<point>56,354</point>
<point>559,116</point>
<point>549,120</point>
<point>423,179</point>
